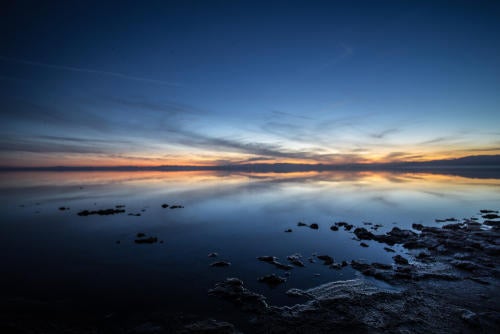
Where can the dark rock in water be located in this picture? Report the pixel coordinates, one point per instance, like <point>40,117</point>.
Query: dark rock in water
<point>62,208</point>
<point>274,261</point>
<point>390,250</point>
<point>470,318</point>
<point>164,206</point>
<point>336,266</point>
<point>213,254</point>
<point>492,222</point>
<point>491,216</point>
<point>272,280</point>
<point>334,228</point>
<point>177,207</point>
<point>348,227</point>
<point>488,211</point>
<point>120,206</point>
<point>100,212</point>
<point>400,260</point>
<point>295,260</point>
<point>232,289</point>
<point>267,258</point>
<point>314,226</point>
<point>288,230</point>
<point>453,226</point>
<point>344,263</point>
<point>363,245</point>
<point>117,241</point>
<point>210,326</point>
<point>220,264</point>
<point>440,220</point>
<point>340,224</point>
<point>301,224</point>
<point>363,234</point>
<point>367,223</point>
<point>140,235</point>
<point>417,227</point>
<point>327,260</point>
<point>134,214</point>
<point>150,240</point>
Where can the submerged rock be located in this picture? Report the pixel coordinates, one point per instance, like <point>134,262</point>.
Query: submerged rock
<point>272,280</point>
<point>288,230</point>
<point>149,240</point>
<point>334,228</point>
<point>177,207</point>
<point>295,260</point>
<point>220,264</point>
<point>301,224</point>
<point>164,206</point>
<point>274,261</point>
<point>327,260</point>
<point>314,226</point>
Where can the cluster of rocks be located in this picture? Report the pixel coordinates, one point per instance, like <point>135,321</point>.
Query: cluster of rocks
<point>453,269</point>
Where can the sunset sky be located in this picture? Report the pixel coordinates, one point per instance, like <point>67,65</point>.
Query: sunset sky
<point>216,82</point>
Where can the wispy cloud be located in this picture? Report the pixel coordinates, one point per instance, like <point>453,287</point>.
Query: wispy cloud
<point>89,71</point>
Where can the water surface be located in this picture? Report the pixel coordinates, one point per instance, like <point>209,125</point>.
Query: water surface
<point>58,256</point>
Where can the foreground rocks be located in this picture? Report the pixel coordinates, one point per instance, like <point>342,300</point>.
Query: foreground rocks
<point>449,283</point>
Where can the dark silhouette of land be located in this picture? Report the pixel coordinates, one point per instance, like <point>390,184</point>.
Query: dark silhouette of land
<point>471,166</point>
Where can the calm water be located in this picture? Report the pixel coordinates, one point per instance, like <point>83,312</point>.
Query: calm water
<point>54,255</point>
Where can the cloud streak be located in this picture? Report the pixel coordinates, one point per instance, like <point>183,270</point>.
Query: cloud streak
<point>89,71</point>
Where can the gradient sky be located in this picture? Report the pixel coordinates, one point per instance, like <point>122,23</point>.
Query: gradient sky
<point>215,82</point>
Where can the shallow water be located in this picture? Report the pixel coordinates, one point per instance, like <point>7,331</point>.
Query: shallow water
<point>54,255</point>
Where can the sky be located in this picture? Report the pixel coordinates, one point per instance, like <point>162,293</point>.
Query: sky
<point>94,83</point>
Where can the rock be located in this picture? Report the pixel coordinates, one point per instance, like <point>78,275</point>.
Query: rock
<point>274,261</point>
<point>470,317</point>
<point>150,240</point>
<point>301,224</point>
<point>272,280</point>
<point>267,258</point>
<point>348,227</point>
<point>363,245</point>
<point>327,260</point>
<point>120,206</point>
<point>390,250</point>
<point>314,226</point>
<point>62,208</point>
<point>220,264</point>
<point>177,207</point>
<point>164,206</point>
<point>140,235</point>
<point>344,263</point>
<point>336,266</point>
<point>400,260</point>
<point>334,228</point>
<point>134,214</point>
<point>341,224</point>
<point>210,326</point>
<point>117,241</point>
<point>295,260</point>
<point>417,227</point>
<point>288,230</point>
<point>488,211</point>
<point>363,234</point>
<point>213,254</point>
<point>100,212</point>
<point>232,289</point>
<point>465,265</point>
<point>491,216</point>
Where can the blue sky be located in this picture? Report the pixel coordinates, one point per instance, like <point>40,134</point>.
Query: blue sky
<point>213,82</point>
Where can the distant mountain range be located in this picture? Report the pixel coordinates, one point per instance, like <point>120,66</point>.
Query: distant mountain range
<point>476,162</point>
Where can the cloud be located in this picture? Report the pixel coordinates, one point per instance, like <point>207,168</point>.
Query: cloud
<point>385,133</point>
<point>90,71</point>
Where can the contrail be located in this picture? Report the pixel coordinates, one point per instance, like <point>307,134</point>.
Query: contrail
<point>86,70</point>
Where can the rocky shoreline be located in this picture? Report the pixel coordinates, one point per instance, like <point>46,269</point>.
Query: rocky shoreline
<point>449,284</point>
